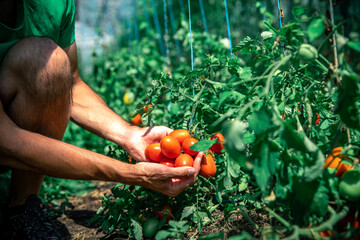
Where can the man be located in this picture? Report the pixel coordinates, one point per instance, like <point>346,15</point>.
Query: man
<point>40,91</point>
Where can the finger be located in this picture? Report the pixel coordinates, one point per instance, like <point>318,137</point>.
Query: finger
<point>197,162</point>
<point>179,185</point>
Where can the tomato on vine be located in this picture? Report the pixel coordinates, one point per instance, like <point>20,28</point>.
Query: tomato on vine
<point>349,186</point>
<point>137,120</point>
<point>166,212</point>
<point>128,98</point>
<point>147,107</point>
<point>217,147</point>
<point>334,160</point>
<point>150,227</point>
<point>208,166</point>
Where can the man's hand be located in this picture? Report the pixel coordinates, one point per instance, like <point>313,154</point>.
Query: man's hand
<point>167,180</point>
<point>142,137</point>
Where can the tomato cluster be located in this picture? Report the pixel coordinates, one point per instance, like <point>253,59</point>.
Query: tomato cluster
<point>334,160</point>
<point>174,151</point>
<point>349,185</point>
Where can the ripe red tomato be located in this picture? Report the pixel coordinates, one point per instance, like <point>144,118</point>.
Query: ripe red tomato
<point>137,120</point>
<point>217,147</point>
<point>170,147</point>
<point>187,143</point>
<point>168,162</point>
<point>180,134</point>
<point>165,212</point>
<point>184,160</point>
<point>153,152</point>
<point>208,166</point>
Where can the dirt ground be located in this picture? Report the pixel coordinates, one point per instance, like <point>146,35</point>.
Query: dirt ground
<point>76,226</point>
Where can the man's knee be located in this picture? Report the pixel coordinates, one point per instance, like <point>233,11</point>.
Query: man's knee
<point>40,67</point>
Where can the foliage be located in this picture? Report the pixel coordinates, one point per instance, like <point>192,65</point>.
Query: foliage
<point>266,102</point>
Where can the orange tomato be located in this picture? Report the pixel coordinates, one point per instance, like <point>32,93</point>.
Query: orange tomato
<point>153,152</point>
<point>168,162</point>
<point>147,107</point>
<point>187,143</point>
<point>184,160</point>
<point>217,147</point>
<point>170,147</point>
<point>180,134</point>
<point>137,120</point>
<point>333,160</point>
<point>208,166</point>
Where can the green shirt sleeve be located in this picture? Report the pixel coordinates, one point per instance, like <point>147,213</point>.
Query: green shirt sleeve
<point>67,32</point>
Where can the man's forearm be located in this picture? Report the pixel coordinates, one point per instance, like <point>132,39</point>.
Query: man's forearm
<point>31,151</point>
<point>91,112</point>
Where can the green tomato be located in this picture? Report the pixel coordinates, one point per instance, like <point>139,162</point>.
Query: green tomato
<point>307,53</point>
<point>128,98</point>
<point>150,227</point>
<point>349,186</point>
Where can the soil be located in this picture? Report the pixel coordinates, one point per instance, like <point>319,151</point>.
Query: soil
<point>76,220</point>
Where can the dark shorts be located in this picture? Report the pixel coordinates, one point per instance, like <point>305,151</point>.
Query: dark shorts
<point>4,169</point>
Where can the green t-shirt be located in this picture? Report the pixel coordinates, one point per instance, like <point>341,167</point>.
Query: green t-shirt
<point>54,19</point>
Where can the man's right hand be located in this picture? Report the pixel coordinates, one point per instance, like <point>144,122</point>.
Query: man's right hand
<point>167,180</point>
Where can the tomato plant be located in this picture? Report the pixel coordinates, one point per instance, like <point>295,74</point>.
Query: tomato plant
<point>281,105</point>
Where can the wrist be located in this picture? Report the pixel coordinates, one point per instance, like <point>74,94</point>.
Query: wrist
<point>121,133</point>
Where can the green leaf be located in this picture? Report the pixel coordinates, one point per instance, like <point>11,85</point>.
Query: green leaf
<point>203,145</point>
<point>319,205</point>
<point>162,234</point>
<point>234,142</point>
<point>304,196</point>
<point>227,181</point>
<point>188,211</point>
<point>260,121</point>
<point>297,11</point>
<point>316,28</point>
<point>137,229</point>
<point>354,45</point>
<point>348,101</point>
<point>265,165</point>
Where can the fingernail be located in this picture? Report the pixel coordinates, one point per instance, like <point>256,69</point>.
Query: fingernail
<point>191,171</point>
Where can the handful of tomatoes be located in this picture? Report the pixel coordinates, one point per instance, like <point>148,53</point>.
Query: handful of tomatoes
<point>174,151</point>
